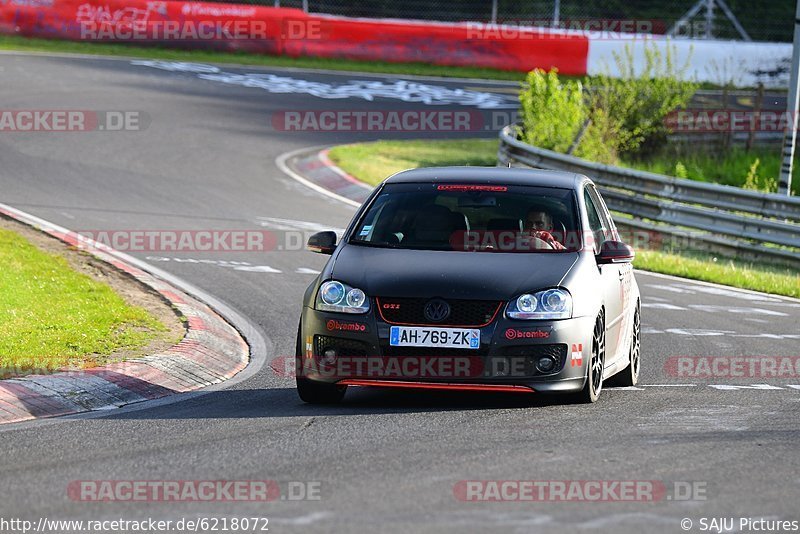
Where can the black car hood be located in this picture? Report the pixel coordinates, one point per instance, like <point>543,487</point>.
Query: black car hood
<point>385,272</point>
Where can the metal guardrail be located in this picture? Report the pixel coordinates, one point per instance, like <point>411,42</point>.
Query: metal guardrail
<point>724,219</point>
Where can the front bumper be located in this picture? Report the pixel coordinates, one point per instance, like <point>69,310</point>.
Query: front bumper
<point>354,350</point>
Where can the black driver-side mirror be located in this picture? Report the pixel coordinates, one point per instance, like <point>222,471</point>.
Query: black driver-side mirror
<point>322,242</point>
<point>615,252</point>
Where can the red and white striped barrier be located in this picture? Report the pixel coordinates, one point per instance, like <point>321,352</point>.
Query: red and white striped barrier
<point>291,32</point>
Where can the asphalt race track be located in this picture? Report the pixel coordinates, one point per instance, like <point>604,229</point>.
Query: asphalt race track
<point>383,460</point>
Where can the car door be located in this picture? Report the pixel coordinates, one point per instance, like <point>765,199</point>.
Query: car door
<point>611,274</point>
<point>626,285</point>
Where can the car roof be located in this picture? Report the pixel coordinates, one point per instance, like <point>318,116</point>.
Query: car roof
<point>489,175</point>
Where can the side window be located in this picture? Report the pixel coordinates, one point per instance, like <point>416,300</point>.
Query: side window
<point>605,216</point>
<point>595,222</point>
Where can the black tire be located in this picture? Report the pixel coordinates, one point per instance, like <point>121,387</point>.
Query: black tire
<point>594,372</point>
<point>319,392</point>
<point>310,391</point>
<point>630,375</point>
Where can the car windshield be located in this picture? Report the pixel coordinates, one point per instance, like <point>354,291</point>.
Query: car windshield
<point>471,217</point>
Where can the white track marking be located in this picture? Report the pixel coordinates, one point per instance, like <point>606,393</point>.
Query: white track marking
<point>716,387</point>
<point>732,387</point>
<point>292,224</point>
<point>308,519</point>
<point>699,332</point>
<point>257,269</point>
<point>661,306</point>
<point>710,308</point>
<point>230,264</point>
<point>281,160</point>
<point>403,90</point>
<point>729,293</point>
<point>695,284</point>
<point>673,289</point>
<point>235,265</point>
<point>668,385</point>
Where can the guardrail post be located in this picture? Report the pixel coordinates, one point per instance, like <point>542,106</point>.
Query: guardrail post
<point>790,135</point>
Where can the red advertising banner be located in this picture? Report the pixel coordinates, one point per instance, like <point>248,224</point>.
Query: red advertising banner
<point>284,31</point>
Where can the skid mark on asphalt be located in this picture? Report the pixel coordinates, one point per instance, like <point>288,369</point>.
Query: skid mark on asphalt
<point>636,518</point>
<point>722,418</point>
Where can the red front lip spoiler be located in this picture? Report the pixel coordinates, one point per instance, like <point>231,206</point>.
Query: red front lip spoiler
<point>437,385</point>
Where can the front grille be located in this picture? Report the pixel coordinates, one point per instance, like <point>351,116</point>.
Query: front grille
<point>467,313</point>
<point>529,354</point>
<point>344,347</point>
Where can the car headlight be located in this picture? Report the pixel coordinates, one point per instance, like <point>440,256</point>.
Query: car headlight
<point>547,304</point>
<point>338,297</point>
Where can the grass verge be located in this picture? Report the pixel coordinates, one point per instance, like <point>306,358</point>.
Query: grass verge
<point>372,162</point>
<point>757,169</point>
<point>12,42</point>
<point>53,317</point>
<point>722,271</point>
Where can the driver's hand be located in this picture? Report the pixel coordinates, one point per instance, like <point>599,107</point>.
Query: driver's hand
<point>548,238</point>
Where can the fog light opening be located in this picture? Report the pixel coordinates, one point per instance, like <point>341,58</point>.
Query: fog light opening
<point>329,356</point>
<point>545,364</point>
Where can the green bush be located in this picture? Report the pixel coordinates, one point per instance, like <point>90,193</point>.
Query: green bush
<point>600,140</point>
<point>638,102</point>
<point>554,112</point>
<point>605,118</point>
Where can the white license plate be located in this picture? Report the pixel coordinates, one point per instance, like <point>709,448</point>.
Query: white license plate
<point>423,336</point>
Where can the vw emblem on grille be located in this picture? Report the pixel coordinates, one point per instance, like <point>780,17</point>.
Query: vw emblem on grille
<point>437,310</point>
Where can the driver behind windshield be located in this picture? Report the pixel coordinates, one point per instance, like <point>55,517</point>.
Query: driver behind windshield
<point>539,224</point>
